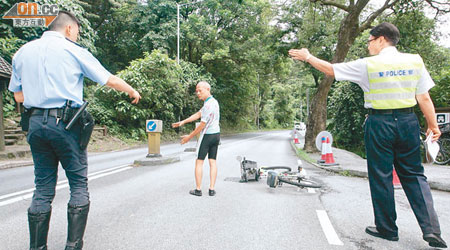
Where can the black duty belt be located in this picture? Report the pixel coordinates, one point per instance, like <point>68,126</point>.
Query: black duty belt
<point>51,112</point>
<point>391,111</point>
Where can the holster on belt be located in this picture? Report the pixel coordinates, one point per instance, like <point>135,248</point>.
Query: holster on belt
<point>86,121</point>
<point>87,126</point>
<point>25,119</point>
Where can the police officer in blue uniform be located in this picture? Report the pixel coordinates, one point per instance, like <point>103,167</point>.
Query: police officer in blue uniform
<point>393,83</point>
<point>47,74</point>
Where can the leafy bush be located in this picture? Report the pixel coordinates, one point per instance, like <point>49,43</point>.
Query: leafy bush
<point>9,46</point>
<point>441,92</point>
<point>8,103</point>
<point>167,90</point>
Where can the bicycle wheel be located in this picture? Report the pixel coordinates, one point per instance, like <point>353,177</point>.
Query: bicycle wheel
<point>443,156</point>
<point>301,183</point>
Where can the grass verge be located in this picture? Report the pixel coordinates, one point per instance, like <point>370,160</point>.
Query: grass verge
<point>305,156</point>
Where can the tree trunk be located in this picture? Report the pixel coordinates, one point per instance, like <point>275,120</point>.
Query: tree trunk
<point>317,117</point>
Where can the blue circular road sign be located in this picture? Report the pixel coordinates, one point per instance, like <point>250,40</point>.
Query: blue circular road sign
<point>151,126</point>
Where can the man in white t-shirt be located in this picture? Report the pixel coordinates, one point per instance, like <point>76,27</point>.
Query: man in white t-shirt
<point>393,83</point>
<point>209,137</point>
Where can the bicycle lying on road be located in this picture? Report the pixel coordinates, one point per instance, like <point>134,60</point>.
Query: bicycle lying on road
<point>276,175</point>
<point>277,178</point>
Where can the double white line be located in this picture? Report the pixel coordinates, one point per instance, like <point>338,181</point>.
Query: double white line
<point>28,193</point>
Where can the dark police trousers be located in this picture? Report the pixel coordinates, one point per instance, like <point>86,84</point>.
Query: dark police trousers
<point>393,139</point>
<point>50,143</point>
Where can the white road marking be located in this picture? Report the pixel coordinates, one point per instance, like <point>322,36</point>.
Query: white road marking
<point>109,173</point>
<point>328,229</point>
<point>28,193</point>
<point>16,199</point>
<point>16,193</point>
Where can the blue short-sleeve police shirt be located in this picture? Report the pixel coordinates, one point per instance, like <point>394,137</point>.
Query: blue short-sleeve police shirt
<point>50,70</point>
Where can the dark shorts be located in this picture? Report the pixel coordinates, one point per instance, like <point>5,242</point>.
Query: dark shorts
<point>209,146</point>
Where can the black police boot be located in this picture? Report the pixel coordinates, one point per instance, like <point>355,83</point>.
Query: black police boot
<point>38,224</point>
<point>77,218</point>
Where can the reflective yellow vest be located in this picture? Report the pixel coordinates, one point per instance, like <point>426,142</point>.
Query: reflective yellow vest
<point>392,80</point>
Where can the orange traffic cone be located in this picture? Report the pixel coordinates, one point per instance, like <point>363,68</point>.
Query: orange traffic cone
<point>329,159</point>
<point>396,180</point>
<point>296,138</point>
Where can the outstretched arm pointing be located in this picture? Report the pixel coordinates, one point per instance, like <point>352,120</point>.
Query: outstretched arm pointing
<point>192,118</point>
<point>120,85</point>
<point>305,56</point>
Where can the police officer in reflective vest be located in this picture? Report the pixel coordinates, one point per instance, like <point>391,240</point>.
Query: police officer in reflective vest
<point>393,83</point>
<point>47,75</point>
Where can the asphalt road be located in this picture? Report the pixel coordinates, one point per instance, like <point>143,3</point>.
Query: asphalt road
<point>150,208</point>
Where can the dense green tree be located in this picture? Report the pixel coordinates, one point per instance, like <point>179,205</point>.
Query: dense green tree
<point>231,39</point>
<point>129,29</point>
<point>238,46</point>
<point>441,92</point>
<point>98,12</point>
<point>282,97</point>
